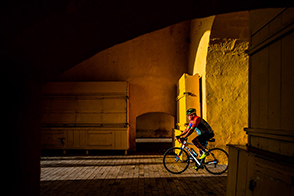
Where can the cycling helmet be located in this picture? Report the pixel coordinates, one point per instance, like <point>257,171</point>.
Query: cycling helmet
<point>191,111</point>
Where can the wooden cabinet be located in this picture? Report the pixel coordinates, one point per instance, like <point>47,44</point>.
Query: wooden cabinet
<point>85,115</point>
<point>84,138</point>
<point>188,96</point>
<point>257,172</point>
<point>52,138</point>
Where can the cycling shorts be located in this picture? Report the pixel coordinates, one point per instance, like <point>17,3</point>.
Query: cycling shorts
<point>204,137</point>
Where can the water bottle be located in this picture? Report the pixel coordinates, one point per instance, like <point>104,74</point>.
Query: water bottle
<point>194,153</point>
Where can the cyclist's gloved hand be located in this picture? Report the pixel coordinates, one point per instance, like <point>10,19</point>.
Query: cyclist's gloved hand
<point>178,137</point>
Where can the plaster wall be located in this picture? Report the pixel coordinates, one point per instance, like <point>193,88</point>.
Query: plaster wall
<point>151,63</point>
<point>227,78</point>
<point>227,91</point>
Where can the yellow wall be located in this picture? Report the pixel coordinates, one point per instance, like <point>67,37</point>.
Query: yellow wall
<point>151,63</point>
<point>227,91</point>
<point>227,78</point>
<point>219,43</point>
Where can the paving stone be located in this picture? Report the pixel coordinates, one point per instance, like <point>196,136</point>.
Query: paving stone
<point>123,175</point>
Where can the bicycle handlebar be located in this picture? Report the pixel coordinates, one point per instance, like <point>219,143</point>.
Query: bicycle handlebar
<point>181,140</point>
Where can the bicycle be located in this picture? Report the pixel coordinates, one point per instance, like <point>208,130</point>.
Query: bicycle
<point>177,159</point>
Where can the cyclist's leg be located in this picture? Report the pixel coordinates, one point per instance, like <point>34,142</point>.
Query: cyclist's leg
<point>203,140</point>
<point>206,137</point>
<point>197,142</point>
<point>201,143</point>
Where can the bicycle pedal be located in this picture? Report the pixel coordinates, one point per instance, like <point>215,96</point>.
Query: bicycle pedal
<point>196,168</point>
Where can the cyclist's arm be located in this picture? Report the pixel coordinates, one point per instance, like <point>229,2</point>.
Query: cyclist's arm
<point>189,132</point>
<point>191,127</point>
<point>184,132</point>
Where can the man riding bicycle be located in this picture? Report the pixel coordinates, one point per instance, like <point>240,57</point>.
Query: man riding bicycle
<point>202,128</point>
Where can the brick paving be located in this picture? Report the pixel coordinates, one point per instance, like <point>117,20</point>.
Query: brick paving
<point>123,175</point>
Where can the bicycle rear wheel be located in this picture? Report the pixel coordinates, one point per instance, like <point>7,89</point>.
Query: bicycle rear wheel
<point>176,160</point>
<point>216,162</point>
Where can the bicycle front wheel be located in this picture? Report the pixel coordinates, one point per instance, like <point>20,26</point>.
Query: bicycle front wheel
<point>217,160</point>
<point>176,160</point>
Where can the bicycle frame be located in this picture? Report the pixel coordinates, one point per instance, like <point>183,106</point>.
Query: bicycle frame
<point>184,146</point>
<point>212,154</point>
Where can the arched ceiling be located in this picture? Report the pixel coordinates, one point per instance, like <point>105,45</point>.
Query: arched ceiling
<point>47,37</point>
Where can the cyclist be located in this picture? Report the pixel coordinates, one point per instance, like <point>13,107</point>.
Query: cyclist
<point>202,128</point>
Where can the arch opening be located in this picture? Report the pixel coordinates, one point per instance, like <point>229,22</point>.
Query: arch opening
<point>154,131</point>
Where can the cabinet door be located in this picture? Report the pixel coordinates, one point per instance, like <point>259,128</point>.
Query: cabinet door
<point>100,139</point>
<point>53,138</point>
<point>121,139</point>
<point>188,97</point>
<point>108,138</point>
<point>76,138</point>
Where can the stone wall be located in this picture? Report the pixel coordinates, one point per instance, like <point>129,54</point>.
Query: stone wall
<point>227,78</point>
<point>227,90</point>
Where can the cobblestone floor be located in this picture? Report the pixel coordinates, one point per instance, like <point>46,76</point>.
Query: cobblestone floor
<point>123,175</point>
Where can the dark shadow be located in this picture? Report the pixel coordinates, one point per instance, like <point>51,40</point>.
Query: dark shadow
<point>70,152</point>
<point>108,160</point>
<point>153,148</point>
<point>137,186</point>
<point>108,163</point>
<point>122,157</point>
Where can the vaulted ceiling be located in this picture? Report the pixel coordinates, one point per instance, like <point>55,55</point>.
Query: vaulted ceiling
<point>46,37</point>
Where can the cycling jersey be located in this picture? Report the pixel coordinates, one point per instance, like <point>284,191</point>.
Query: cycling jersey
<point>200,125</point>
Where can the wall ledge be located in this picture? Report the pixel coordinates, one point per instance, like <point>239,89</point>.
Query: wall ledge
<point>264,154</point>
<point>285,135</point>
